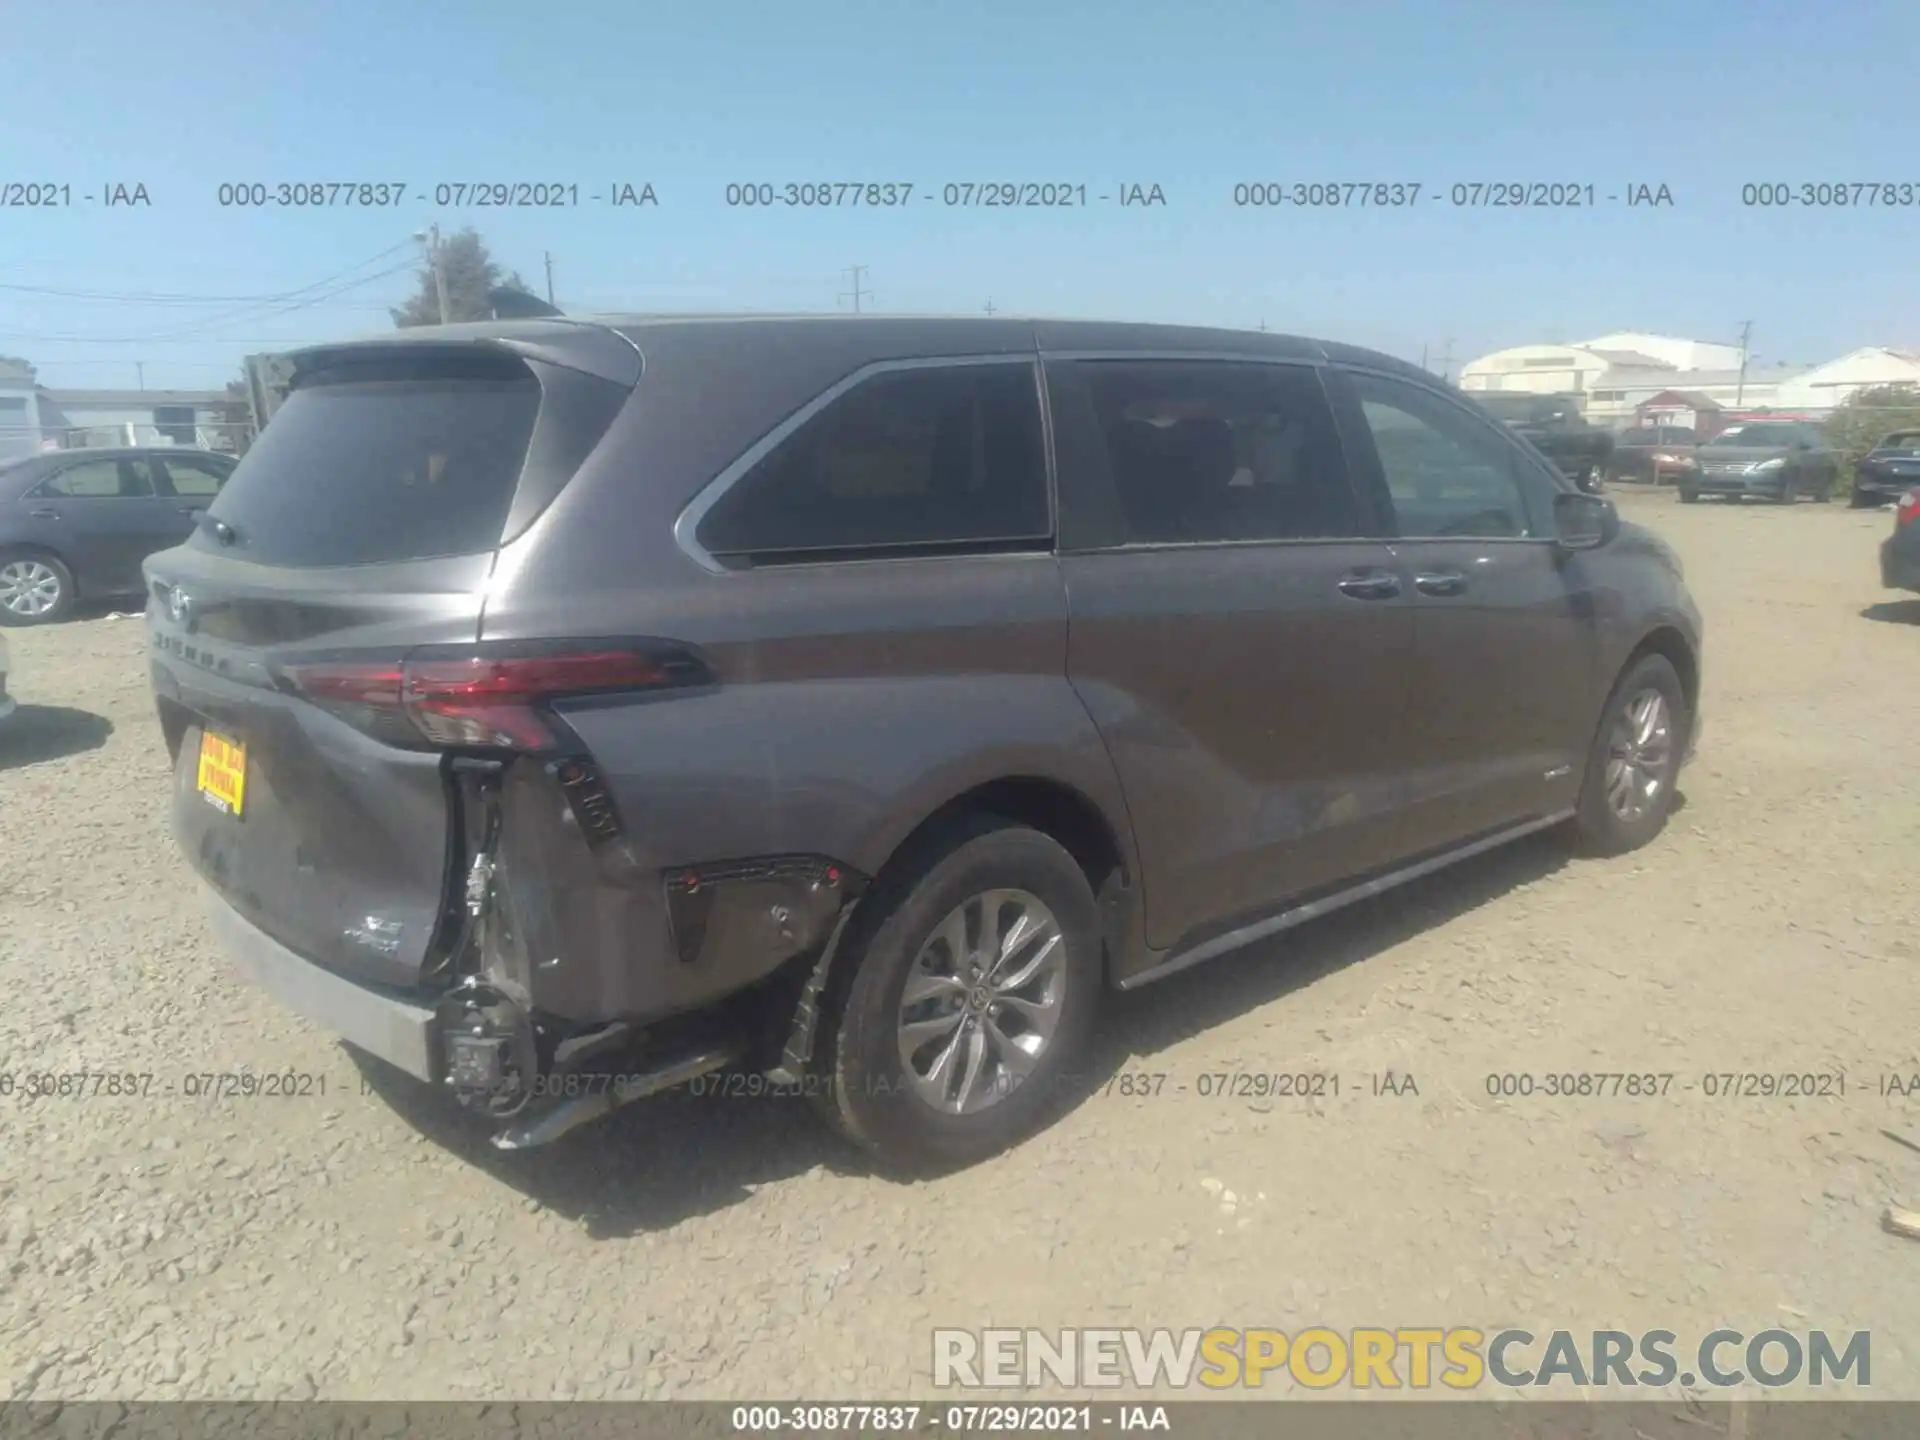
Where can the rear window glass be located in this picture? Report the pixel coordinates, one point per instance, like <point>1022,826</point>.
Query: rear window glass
<point>371,471</point>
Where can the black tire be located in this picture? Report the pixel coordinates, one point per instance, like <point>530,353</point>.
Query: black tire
<point>63,599</point>
<point>1789,490</point>
<point>1689,497</point>
<point>1599,828</point>
<point>862,1082</point>
<point>1860,500</point>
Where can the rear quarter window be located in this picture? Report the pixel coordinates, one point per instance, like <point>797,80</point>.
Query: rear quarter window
<point>357,471</point>
<point>933,458</point>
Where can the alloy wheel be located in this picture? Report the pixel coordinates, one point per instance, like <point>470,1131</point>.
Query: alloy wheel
<point>982,1000</point>
<point>1639,755</point>
<point>28,588</point>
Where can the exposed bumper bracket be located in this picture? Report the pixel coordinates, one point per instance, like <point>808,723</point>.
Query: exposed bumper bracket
<point>601,1095</point>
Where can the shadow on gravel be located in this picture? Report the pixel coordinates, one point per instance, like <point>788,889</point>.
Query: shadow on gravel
<point>35,733</point>
<point>661,1160</point>
<point>1894,612</point>
<point>646,1167</point>
<point>1141,1024</point>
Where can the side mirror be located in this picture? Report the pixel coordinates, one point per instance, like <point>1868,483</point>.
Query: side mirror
<point>1582,521</point>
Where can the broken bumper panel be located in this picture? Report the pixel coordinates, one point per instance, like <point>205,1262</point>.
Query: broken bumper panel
<point>395,1031</point>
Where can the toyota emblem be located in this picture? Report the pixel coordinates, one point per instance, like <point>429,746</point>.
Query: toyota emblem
<point>180,607</point>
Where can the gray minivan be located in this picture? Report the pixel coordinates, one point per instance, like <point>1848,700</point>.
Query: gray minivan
<point>563,710</point>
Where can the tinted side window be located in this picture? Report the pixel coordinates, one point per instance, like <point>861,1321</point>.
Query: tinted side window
<point>1206,451</point>
<point>934,458</point>
<point>1448,474</point>
<point>125,479</point>
<point>194,477</point>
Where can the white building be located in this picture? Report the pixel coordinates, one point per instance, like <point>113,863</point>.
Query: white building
<point>1668,351</point>
<point>1828,385</point>
<point>34,418</point>
<point>1618,373</point>
<point>1541,369</point>
<point>130,417</point>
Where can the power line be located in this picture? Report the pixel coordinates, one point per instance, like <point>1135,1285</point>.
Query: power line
<point>196,332</point>
<point>173,364</point>
<point>160,298</point>
<point>251,313</point>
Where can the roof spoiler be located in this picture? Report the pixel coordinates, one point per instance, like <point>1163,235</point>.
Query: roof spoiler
<point>511,304</point>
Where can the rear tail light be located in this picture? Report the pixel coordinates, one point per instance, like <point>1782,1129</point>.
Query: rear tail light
<point>490,698</point>
<point>1909,510</point>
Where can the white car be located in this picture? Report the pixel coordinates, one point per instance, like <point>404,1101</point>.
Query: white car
<point>6,705</point>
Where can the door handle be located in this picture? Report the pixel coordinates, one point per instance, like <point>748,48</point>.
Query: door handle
<point>1371,585</point>
<point>44,514</point>
<point>1440,582</point>
<point>190,509</point>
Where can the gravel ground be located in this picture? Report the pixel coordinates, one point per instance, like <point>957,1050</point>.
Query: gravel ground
<point>354,1246</point>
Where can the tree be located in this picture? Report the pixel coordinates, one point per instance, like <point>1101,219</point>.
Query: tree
<point>1856,425</point>
<point>470,273</point>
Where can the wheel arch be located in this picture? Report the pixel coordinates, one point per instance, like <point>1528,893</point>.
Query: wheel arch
<point>1670,644</point>
<point>1049,805</point>
<point>34,547</point>
<point>1100,843</point>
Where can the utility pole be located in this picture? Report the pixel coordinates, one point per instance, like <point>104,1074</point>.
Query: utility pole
<point>856,271</point>
<point>140,372</point>
<point>1423,357</point>
<point>1446,362</point>
<point>989,305</point>
<point>549,256</point>
<point>1740,388</point>
<point>430,237</point>
<point>1263,327</point>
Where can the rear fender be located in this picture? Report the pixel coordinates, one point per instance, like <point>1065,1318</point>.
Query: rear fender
<point>839,771</point>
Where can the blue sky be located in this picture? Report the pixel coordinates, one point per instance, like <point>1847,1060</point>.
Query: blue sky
<point>1701,96</point>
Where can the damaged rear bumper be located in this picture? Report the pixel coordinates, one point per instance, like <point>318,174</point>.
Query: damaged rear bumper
<point>411,1037</point>
<point>534,1075</point>
<point>398,1032</point>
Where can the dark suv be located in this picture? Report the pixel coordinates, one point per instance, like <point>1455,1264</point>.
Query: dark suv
<point>1554,426</point>
<point>564,710</point>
